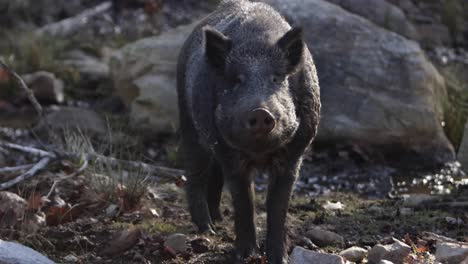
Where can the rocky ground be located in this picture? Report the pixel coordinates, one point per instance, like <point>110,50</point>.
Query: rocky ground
<point>106,88</point>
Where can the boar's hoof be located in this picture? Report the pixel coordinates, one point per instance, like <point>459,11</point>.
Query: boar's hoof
<point>244,251</point>
<point>207,230</point>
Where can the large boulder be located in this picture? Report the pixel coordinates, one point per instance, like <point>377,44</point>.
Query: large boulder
<point>462,154</point>
<point>377,87</point>
<point>381,13</point>
<point>144,74</point>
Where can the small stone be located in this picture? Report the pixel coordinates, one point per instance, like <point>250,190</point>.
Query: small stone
<point>453,221</point>
<point>177,243</point>
<point>307,243</point>
<point>331,206</point>
<point>323,238</point>
<point>385,262</point>
<point>354,254</point>
<point>304,256</point>
<point>395,252</point>
<point>112,210</point>
<point>45,86</point>
<point>447,252</point>
<point>70,259</point>
<point>125,240</point>
<point>154,212</point>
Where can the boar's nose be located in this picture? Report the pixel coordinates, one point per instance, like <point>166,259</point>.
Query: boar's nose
<point>260,122</point>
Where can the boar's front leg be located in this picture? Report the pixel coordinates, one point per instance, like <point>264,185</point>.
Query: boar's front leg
<point>199,173</point>
<point>281,183</point>
<point>241,187</point>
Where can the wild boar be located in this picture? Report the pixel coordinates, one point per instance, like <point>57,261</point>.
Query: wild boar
<point>249,102</point>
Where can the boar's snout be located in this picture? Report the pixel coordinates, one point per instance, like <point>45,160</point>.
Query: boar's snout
<point>260,122</point>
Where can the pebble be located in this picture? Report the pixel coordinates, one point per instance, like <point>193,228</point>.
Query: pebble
<point>354,254</point>
<point>323,238</point>
<point>395,252</point>
<point>304,256</point>
<point>177,243</point>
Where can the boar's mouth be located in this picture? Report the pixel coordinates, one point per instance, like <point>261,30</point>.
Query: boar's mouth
<point>261,145</point>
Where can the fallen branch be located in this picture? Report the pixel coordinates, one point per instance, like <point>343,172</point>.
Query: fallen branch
<point>70,26</point>
<point>30,150</point>
<point>161,171</point>
<point>15,169</point>
<point>30,173</point>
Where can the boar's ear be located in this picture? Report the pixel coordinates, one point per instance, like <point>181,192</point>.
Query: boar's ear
<point>292,45</point>
<point>217,47</point>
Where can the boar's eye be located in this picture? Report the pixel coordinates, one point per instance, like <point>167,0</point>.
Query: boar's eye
<point>277,79</point>
<point>239,79</point>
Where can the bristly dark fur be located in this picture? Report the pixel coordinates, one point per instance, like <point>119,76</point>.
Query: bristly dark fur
<point>242,57</point>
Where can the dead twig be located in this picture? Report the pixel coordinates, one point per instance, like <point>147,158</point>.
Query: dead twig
<point>71,175</point>
<point>30,173</point>
<point>25,88</point>
<point>70,26</point>
<point>29,93</point>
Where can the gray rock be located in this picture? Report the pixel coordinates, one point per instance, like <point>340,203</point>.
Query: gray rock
<point>462,154</point>
<point>381,13</point>
<point>418,200</point>
<point>377,88</point>
<point>143,74</point>
<point>354,254</point>
<point>112,210</point>
<point>45,86</point>
<point>14,253</point>
<point>177,242</point>
<point>323,238</point>
<point>304,256</point>
<point>63,118</point>
<point>395,252</point>
<point>451,253</point>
